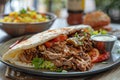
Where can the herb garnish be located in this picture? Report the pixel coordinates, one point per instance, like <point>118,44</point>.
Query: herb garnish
<point>79,38</point>
<point>76,35</point>
<point>23,11</point>
<point>37,62</point>
<point>85,34</point>
<point>80,43</point>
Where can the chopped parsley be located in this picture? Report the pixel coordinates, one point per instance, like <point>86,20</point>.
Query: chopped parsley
<point>23,11</point>
<point>80,43</point>
<point>37,62</point>
<point>85,34</point>
<point>79,37</point>
<point>76,35</point>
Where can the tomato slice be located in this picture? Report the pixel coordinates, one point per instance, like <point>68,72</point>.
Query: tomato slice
<point>104,56</point>
<point>60,38</point>
<point>56,39</point>
<point>94,54</point>
<point>63,37</point>
<point>48,44</point>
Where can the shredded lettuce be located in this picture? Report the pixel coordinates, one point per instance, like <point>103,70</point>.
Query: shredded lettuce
<point>101,31</point>
<point>37,62</point>
<point>40,63</point>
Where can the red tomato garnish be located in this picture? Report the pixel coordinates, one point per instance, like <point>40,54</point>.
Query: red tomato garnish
<point>56,39</point>
<point>94,54</point>
<point>63,37</point>
<point>60,38</point>
<point>102,57</point>
<point>48,44</point>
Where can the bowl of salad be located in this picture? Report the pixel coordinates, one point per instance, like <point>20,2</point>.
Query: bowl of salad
<point>26,22</point>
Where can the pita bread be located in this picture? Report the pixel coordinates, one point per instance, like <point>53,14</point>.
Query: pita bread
<point>13,54</point>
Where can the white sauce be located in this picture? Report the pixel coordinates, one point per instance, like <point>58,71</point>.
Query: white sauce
<point>104,38</point>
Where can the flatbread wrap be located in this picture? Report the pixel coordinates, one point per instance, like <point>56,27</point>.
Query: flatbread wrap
<point>66,48</point>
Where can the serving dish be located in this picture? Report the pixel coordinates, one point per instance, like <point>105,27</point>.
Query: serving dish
<point>18,29</point>
<point>99,67</point>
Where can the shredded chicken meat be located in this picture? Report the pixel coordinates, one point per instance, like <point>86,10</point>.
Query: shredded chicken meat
<point>63,54</point>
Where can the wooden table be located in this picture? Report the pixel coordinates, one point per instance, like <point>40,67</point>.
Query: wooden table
<point>113,74</point>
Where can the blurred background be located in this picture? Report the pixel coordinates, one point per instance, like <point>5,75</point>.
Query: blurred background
<point>59,7</point>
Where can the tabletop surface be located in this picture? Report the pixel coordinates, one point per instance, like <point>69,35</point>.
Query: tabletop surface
<point>112,74</point>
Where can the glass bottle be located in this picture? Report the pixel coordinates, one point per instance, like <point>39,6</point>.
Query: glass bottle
<point>75,10</point>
